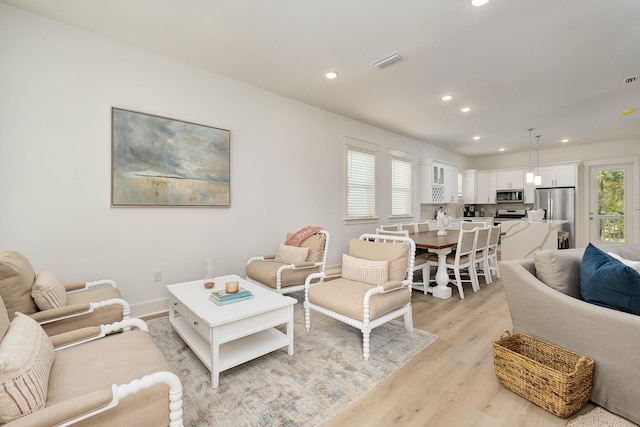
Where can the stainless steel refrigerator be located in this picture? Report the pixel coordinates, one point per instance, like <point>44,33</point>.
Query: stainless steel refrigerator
<point>559,203</point>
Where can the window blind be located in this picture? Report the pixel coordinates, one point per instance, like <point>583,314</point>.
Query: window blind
<point>400,187</point>
<point>361,173</point>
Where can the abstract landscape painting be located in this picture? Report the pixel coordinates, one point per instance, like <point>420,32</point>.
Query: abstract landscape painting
<point>157,161</point>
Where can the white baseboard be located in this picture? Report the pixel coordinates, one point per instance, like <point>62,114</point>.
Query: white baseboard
<point>161,306</point>
<point>150,308</point>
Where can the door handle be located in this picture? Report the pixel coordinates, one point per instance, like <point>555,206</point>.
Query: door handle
<point>591,215</point>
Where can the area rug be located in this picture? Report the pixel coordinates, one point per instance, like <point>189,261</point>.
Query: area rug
<point>325,375</point>
<point>599,417</point>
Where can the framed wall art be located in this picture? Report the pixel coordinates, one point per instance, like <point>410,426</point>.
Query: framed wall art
<point>157,161</point>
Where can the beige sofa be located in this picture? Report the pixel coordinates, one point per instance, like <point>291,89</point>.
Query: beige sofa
<point>544,300</point>
<point>56,307</point>
<point>87,377</point>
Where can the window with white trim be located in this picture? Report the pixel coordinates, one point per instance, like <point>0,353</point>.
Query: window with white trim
<point>401,178</point>
<point>360,191</point>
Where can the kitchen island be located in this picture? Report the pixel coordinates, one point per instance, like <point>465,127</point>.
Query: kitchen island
<point>521,239</point>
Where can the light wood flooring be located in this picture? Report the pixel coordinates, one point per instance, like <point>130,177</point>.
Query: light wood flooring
<point>452,382</point>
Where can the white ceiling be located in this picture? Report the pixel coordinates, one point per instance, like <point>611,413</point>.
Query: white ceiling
<point>554,65</point>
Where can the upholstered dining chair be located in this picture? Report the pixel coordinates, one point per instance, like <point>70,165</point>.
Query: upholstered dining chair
<point>470,225</point>
<point>410,227</point>
<point>287,270</point>
<point>372,287</point>
<point>492,252</point>
<point>420,261</point>
<point>481,261</point>
<point>57,307</point>
<point>481,255</point>
<point>423,226</point>
<point>383,232</point>
<point>462,260</point>
<point>390,227</point>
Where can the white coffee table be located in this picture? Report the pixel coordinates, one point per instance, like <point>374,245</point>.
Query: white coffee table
<point>226,336</point>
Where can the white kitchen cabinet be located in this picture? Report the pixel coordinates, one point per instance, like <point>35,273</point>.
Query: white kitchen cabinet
<point>510,179</point>
<point>469,186</point>
<point>479,187</point>
<point>451,184</point>
<point>438,182</point>
<point>529,193</point>
<point>486,191</point>
<point>561,175</point>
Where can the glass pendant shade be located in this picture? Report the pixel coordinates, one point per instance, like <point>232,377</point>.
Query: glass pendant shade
<point>529,177</point>
<point>537,180</point>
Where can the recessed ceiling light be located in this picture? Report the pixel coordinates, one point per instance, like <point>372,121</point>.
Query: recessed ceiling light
<point>502,149</point>
<point>479,2</point>
<point>447,98</point>
<point>476,137</point>
<point>331,75</point>
<point>466,109</point>
<point>564,140</point>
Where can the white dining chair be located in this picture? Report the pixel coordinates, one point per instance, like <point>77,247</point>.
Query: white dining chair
<point>390,227</point>
<point>383,232</point>
<point>421,261</point>
<point>492,252</point>
<point>410,227</point>
<point>481,255</point>
<point>423,226</point>
<point>462,260</point>
<point>470,225</point>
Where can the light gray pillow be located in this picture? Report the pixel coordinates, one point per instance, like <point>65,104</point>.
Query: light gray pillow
<point>560,270</point>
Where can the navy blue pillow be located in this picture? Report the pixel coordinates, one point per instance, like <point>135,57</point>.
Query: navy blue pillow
<point>607,282</point>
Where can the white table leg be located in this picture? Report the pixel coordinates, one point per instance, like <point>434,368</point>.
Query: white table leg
<point>441,291</point>
<point>290,331</point>
<point>215,360</point>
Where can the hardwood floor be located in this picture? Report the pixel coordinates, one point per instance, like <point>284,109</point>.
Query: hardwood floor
<point>452,382</point>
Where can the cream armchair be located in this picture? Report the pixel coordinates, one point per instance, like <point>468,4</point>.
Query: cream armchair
<point>56,307</point>
<point>372,288</point>
<point>287,270</point>
<point>85,377</point>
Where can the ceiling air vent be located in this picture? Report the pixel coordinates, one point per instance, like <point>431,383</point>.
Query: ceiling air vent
<point>630,80</point>
<point>391,59</point>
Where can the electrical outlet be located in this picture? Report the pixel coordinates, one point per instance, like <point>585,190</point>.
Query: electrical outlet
<point>157,275</point>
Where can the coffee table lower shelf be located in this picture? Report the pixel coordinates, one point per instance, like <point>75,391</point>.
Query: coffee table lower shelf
<point>231,353</point>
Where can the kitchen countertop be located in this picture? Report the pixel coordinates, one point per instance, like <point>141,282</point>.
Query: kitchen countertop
<point>522,238</point>
<point>544,221</point>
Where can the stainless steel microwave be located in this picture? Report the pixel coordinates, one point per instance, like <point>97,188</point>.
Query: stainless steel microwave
<point>510,196</point>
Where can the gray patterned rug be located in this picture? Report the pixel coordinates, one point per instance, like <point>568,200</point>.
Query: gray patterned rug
<point>599,417</point>
<point>324,376</point>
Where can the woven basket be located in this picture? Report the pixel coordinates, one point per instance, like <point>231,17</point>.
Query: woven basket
<point>547,375</point>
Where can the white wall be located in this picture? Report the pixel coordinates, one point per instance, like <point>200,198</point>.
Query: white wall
<point>57,87</point>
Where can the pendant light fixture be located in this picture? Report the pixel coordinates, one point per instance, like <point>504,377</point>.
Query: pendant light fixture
<point>530,171</point>
<point>537,180</point>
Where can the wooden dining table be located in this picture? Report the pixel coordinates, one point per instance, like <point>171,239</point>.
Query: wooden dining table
<point>442,246</point>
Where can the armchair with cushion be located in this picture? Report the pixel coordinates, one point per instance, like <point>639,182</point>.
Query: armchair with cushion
<point>372,287</point>
<point>58,308</point>
<point>86,377</point>
<point>302,254</point>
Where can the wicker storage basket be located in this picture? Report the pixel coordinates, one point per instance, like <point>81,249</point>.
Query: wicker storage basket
<point>547,375</point>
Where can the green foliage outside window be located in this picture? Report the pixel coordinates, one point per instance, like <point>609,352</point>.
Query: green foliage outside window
<point>611,205</point>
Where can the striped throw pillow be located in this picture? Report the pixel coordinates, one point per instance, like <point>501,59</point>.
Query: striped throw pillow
<point>26,356</point>
<point>364,270</point>
<point>47,292</point>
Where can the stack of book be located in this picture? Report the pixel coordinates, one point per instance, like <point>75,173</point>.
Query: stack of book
<point>221,297</point>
